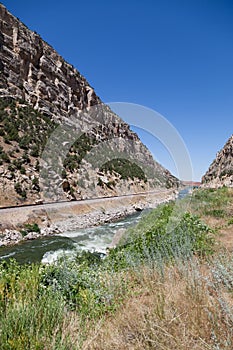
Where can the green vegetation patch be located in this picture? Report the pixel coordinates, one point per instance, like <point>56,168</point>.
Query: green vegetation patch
<point>30,316</point>
<point>161,236</point>
<point>20,190</point>
<point>19,122</point>
<point>125,168</point>
<point>78,151</point>
<point>212,202</point>
<point>30,228</point>
<point>226,172</point>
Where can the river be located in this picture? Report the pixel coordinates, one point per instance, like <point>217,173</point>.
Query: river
<point>68,243</point>
<point>48,249</point>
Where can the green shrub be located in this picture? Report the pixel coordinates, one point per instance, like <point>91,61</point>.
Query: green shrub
<point>13,134</point>
<point>4,157</point>
<point>37,165</point>
<point>11,167</point>
<point>63,174</point>
<point>161,236</point>
<point>18,163</point>
<point>35,184</point>
<point>227,172</point>
<point>230,222</point>
<point>18,188</point>
<point>6,140</point>
<point>25,158</point>
<point>125,168</point>
<point>217,213</point>
<point>25,142</point>
<point>35,181</point>
<point>71,162</point>
<point>35,151</point>
<point>30,228</point>
<point>100,182</point>
<point>20,191</point>
<point>22,170</point>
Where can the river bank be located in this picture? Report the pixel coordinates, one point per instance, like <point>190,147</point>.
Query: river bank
<point>59,217</point>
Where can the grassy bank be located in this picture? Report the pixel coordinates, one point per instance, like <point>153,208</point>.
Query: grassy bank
<point>167,286</point>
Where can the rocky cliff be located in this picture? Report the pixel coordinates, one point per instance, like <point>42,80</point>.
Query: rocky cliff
<point>220,172</point>
<point>57,140</point>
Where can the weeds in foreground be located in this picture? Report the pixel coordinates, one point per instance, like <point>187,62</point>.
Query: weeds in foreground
<point>29,316</point>
<point>162,289</point>
<point>180,309</point>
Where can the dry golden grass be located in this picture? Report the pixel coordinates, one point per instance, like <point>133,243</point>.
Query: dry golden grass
<point>223,228</point>
<point>178,310</point>
<point>220,224</point>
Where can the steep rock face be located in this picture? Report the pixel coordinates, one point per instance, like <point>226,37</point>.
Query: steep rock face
<point>220,172</point>
<point>32,70</point>
<point>34,76</point>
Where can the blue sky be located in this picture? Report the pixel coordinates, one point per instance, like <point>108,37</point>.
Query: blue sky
<point>173,56</point>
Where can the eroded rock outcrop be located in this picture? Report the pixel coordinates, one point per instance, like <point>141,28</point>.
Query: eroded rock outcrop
<point>32,70</point>
<point>35,76</point>
<point>220,172</point>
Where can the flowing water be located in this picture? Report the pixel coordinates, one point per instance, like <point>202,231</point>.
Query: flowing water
<point>68,243</point>
<point>49,249</point>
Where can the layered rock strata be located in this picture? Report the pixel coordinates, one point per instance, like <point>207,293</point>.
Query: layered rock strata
<point>220,172</point>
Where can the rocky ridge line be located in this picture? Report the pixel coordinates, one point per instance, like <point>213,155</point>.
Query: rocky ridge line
<point>220,172</point>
